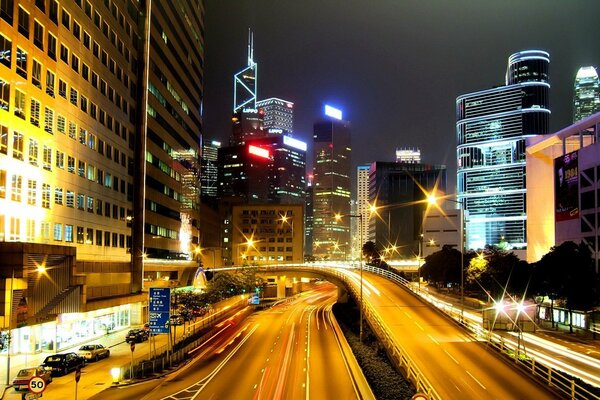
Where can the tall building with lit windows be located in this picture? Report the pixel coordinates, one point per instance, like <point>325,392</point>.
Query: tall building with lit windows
<point>209,172</point>
<point>586,100</point>
<point>278,115</point>
<point>362,208</point>
<point>245,83</point>
<point>331,185</point>
<point>491,129</point>
<point>99,132</point>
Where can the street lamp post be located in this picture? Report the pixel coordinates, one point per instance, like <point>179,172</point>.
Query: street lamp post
<point>360,222</point>
<point>289,220</point>
<point>433,200</point>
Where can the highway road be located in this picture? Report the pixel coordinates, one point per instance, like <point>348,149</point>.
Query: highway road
<point>458,366</point>
<point>290,351</point>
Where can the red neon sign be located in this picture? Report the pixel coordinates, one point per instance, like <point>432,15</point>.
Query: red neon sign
<point>258,151</point>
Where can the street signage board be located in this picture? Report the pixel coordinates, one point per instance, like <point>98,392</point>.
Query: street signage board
<point>159,310</point>
<point>37,385</point>
<point>254,299</point>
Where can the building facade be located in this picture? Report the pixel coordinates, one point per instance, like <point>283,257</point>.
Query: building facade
<point>245,85</point>
<point>362,209</point>
<point>491,129</point>
<point>209,172</point>
<point>331,187</point>
<point>586,100</point>
<point>91,179</point>
<point>308,217</point>
<point>278,115</point>
<point>564,167</point>
<point>264,234</point>
<point>400,192</point>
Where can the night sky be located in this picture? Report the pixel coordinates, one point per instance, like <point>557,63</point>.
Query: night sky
<point>395,67</point>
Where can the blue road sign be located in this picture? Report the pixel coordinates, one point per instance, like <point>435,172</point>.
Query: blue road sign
<point>254,299</point>
<point>159,310</point>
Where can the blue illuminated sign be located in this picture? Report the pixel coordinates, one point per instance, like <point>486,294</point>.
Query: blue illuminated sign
<point>159,310</point>
<point>333,112</point>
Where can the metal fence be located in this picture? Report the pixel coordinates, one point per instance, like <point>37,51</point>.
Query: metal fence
<point>191,337</point>
<point>565,384</point>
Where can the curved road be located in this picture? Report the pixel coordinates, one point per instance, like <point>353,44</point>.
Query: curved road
<point>290,351</point>
<point>457,365</point>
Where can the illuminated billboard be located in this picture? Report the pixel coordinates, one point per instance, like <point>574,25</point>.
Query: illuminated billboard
<point>333,112</point>
<point>295,143</point>
<point>258,151</point>
<point>566,187</point>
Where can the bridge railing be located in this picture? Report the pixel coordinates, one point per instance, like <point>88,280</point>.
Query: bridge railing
<point>397,352</point>
<point>557,379</point>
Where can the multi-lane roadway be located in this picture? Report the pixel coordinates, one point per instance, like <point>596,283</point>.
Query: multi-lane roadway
<point>290,351</point>
<point>457,365</point>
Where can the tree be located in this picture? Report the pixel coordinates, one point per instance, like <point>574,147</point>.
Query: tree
<point>566,273</point>
<point>370,252</point>
<point>442,267</point>
<point>497,272</point>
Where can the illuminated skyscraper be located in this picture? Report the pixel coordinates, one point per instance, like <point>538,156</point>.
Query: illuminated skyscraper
<point>331,188</point>
<point>100,128</point>
<point>401,192</point>
<point>362,207</point>
<point>491,128</point>
<point>278,115</point>
<point>208,177</point>
<point>587,93</point>
<point>245,82</point>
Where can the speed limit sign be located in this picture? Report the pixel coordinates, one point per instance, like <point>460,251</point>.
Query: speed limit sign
<point>37,385</point>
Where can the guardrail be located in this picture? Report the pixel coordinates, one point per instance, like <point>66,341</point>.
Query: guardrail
<point>162,358</point>
<point>397,352</point>
<point>556,379</point>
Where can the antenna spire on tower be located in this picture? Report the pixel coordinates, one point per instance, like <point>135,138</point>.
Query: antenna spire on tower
<point>250,48</point>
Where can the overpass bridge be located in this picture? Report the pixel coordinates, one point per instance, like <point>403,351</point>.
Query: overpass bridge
<point>443,354</point>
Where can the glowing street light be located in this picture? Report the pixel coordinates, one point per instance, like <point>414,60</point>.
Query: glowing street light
<point>432,200</point>
<point>338,217</point>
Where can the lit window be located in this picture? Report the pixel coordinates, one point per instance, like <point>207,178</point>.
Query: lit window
<point>68,233</point>
<point>19,104</point>
<point>58,196</point>
<point>4,95</point>
<point>47,158</point>
<point>49,120</point>
<point>5,50</point>
<point>34,116</point>
<point>45,195</point>
<point>16,188</point>
<point>18,146</point>
<point>57,231</point>
<point>33,152</point>
<point>31,192</point>
<point>21,62</point>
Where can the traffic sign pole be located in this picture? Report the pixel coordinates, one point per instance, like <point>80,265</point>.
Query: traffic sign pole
<point>132,347</point>
<point>77,377</point>
<point>36,385</point>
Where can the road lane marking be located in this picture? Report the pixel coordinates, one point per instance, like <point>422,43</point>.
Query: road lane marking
<point>475,379</point>
<point>420,327</point>
<point>450,355</point>
<point>432,338</point>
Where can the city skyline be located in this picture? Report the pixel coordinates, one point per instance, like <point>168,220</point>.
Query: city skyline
<point>377,63</point>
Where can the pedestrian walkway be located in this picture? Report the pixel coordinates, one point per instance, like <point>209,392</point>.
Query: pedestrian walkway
<point>20,361</point>
<point>560,333</point>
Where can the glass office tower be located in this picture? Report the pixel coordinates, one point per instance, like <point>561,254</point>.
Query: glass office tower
<point>586,100</point>
<point>491,129</point>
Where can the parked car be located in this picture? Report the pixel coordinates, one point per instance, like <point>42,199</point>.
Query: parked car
<point>94,352</point>
<point>176,320</point>
<point>21,381</point>
<point>63,363</point>
<point>136,336</point>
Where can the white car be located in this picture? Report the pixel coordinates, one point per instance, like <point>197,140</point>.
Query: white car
<point>93,352</point>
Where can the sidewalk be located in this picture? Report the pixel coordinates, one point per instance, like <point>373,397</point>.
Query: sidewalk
<point>560,332</point>
<point>20,361</point>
